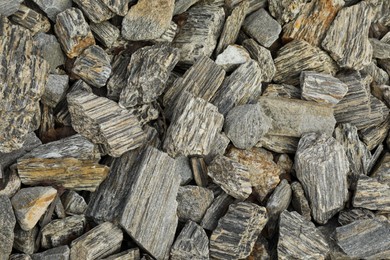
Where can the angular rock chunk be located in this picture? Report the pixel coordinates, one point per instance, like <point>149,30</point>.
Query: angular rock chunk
<point>147,20</point>
<point>25,241</point>
<point>52,8</point>
<point>148,72</point>
<point>71,162</point>
<point>237,231</point>
<point>245,125</point>
<point>381,50</point>
<point>8,8</point>
<point>381,172</point>
<point>11,182</point>
<point>99,242</point>
<point>285,11</point>
<point>232,57</point>
<point>347,38</point>
<point>182,5</point>
<point>73,203</point>
<point>219,146</point>
<point>192,243</point>
<point>131,254</point>
<point>254,5</point>
<point>263,58</point>
<point>184,169</point>
<point>293,118</point>
<point>299,238</point>
<point>149,214</point>
<point>73,32</point>
<point>365,239</point>
<point>348,216</point>
<point>322,88</point>
<point>372,194</point>
<point>198,37</point>
<point>193,201</point>
<point>217,209</point>
<point>242,86</point>
<point>169,35</point>
<point>95,10</point>
<point>299,201</point>
<point>279,144</point>
<point>298,56</point>
<point>199,170</point>
<point>19,257</point>
<point>50,50</point>
<point>55,89</point>
<point>7,224</point>
<point>322,166</point>
<point>183,136</point>
<point>30,19</point>
<point>119,7</point>
<point>119,76</point>
<point>283,91</point>
<point>104,122</point>
<point>30,204</point>
<point>58,253</point>
<point>22,80</point>
<point>262,27</point>
<point>105,32</point>
<point>233,177</point>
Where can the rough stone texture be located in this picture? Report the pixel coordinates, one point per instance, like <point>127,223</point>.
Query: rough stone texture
<point>149,215</point>
<point>199,169</point>
<point>219,146</point>
<point>279,144</point>
<point>254,5</point>
<point>298,56</point>
<point>50,50</point>
<point>147,20</point>
<point>299,201</point>
<point>30,204</point>
<point>237,231</point>
<point>131,254</point>
<point>8,8</point>
<point>322,88</point>
<point>299,238</point>
<point>30,19</point>
<point>55,89</point>
<point>73,32</point>
<point>372,194</point>
<point>19,257</point>
<point>193,201</point>
<point>381,172</point>
<point>365,239</point>
<point>217,210</point>
<point>169,35</point>
<point>242,86</point>
<point>283,91</point>
<point>348,216</point>
<point>95,10</point>
<point>105,33</point>
<point>381,50</point>
<point>74,204</point>
<point>112,126</point>
<point>119,76</point>
<point>347,38</point>
<point>148,72</point>
<point>293,118</point>
<point>184,169</point>
<point>58,253</point>
<point>262,27</point>
<point>285,11</point>
<point>10,183</point>
<point>263,57</point>
<point>233,177</point>
<point>232,57</point>
<point>25,241</point>
<point>192,243</point>
<point>182,5</point>
<point>198,37</point>
<point>119,7</point>
<point>7,224</point>
<point>52,8</point>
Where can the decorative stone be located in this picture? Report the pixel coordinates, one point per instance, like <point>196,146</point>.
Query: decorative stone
<point>254,5</point>
<point>105,32</point>
<point>131,254</point>
<point>279,144</point>
<point>200,171</point>
<point>95,10</point>
<point>219,146</point>
<point>184,169</point>
<point>19,257</point>
<point>55,89</point>
<point>25,241</point>
<point>8,8</point>
<point>52,8</point>
<point>119,76</point>
<point>50,50</point>
<point>232,57</point>
<point>381,172</point>
<point>119,7</point>
<point>322,166</point>
<point>169,35</point>
<point>348,216</point>
<point>283,91</point>
<point>193,201</point>
<point>299,201</point>
<point>372,194</point>
<point>7,224</point>
<point>11,182</point>
<point>217,209</point>
<point>74,204</point>
<point>58,253</point>
<point>287,10</point>
<point>381,50</point>
<point>182,5</point>
<point>30,19</point>
<point>260,249</point>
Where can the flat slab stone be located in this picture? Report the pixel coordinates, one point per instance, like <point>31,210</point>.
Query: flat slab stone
<point>372,194</point>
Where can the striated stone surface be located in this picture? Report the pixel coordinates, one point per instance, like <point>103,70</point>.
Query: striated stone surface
<point>348,216</point>
<point>322,166</point>
<point>147,20</point>
<point>279,144</point>
<point>119,7</point>
<point>52,8</point>
<point>381,49</point>
<point>283,91</point>
<point>131,254</point>
<point>25,241</point>
<point>30,204</point>
<point>8,8</point>
<point>184,169</point>
<point>299,238</point>
<point>50,50</point>
<point>74,204</point>
<point>233,177</point>
<point>216,210</point>
<point>58,253</point>
<point>237,231</point>
<point>19,257</point>
<point>347,38</point>
<point>299,201</point>
<point>285,11</point>
<point>193,201</point>
<point>381,172</point>
<point>182,5</point>
<point>372,193</point>
<point>119,76</point>
<point>219,146</point>
<point>105,33</point>
<point>95,10</point>
<point>298,56</point>
<point>169,35</point>
<point>7,224</point>
<point>232,57</point>
<point>30,19</point>
<point>10,183</point>
<point>55,89</point>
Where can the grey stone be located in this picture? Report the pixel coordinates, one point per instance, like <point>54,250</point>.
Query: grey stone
<point>19,257</point>
<point>182,5</point>
<point>31,20</point>
<point>131,254</point>
<point>55,89</point>
<point>217,210</point>
<point>285,11</point>
<point>58,253</point>
<point>381,49</point>
<point>9,7</point>
<point>232,57</point>
<point>53,7</point>
<point>74,204</point>
<point>105,32</point>
<point>184,169</point>
<point>348,216</point>
<point>50,50</point>
<point>193,201</point>
<point>96,10</point>
<point>7,224</point>
<point>25,241</point>
<point>283,91</point>
<point>299,200</point>
<point>372,194</point>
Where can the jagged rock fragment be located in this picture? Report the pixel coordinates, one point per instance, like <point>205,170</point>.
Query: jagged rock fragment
<point>254,5</point>
<point>279,144</point>
<point>182,5</point>
<point>193,202</point>
<point>285,11</point>
<point>184,169</point>
<point>95,10</point>
<point>119,76</point>
<point>25,241</point>
<point>381,50</point>
<point>74,204</point>
<point>30,19</point>
<point>131,254</point>
<point>19,257</point>
<point>50,50</point>
<point>219,146</point>
<point>216,210</point>
<point>372,194</point>
<point>299,238</point>
<point>322,166</point>
<point>55,89</point>
<point>147,20</point>
<point>52,8</point>
<point>105,32</point>
<point>112,126</point>
<point>192,243</point>
<point>199,170</point>
<point>382,172</point>
<point>348,216</point>
<point>283,91</point>
<point>73,32</point>
<point>10,183</point>
<point>298,56</point>
<point>58,253</point>
<point>169,35</point>
<point>7,224</point>
<point>299,201</point>
<point>347,38</point>
<point>30,204</point>
<point>9,7</point>
<point>237,231</point>
<point>232,57</point>
<point>119,7</point>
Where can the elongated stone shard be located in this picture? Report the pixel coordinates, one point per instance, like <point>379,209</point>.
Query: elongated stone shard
<point>381,49</point>
<point>7,224</point>
<point>237,231</point>
<point>198,37</point>
<point>322,166</point>
<point>254,5</point>
<point>381,172</point>
<point>283,91</point>
<point>112,126</point>
<point>73,32</point>
<point>299,238</point>
<point>298,56</point>
<point>372,194</point>
<point>192,243</point>
<point>8,8</point>
<point>285,11</point>
<point>99,242</point>
<point>149,214</point>
<point>19,257</point>
<point>193,202</point>
<point>11,182</point>
<point>216,210</point>
<point>105,33</point>
<point>60,253</point>
<point>278,143</point>
<point>219,146</point>
<point>52,8</point>
<point>119,76</point>
<point>349,45</point>
<point>299,201</point>
<point>147,20</point>
<point>30,19</point>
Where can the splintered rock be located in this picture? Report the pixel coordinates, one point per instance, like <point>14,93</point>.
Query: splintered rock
<point>299,238</point>
<point>322,88</point>
<point>245,125</point>
<point>198,37</point>
<point>193,201</point>
<point>148,72</point>
<point>52,8</point>
<point>262,27</point>
<point>55,89</point>
<point>283,91</point>
<point>232,57</point>
<point>73,32</point>
<point>30,19</point>
<point>147,20</point>
<point>105,33</point>
<point>9,7</point>
<point>217,209</point>
<point>73,203</point>
<point>237,231</point>
<point>284,11</point>
<point>322,166</point>
<point>191,243</point>
<point>233,177</point>
<point>58,253</point>
<point>372,194</point>
<point>104,122</point>
<point>365,239</point>
<point>99,242</point>
<point>119,76</point>
<point>149,214</point>
<point>7,224</point>
<point>95,10</point>
<point>348,216</point>
<point>347,38</point>
<point>93,66</point>
<point>31,203</point>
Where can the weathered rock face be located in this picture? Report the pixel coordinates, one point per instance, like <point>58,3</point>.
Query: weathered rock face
<point>285,11</point>
<point>372,194</point>
<point>7,224</point>
<point>52,8</point>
